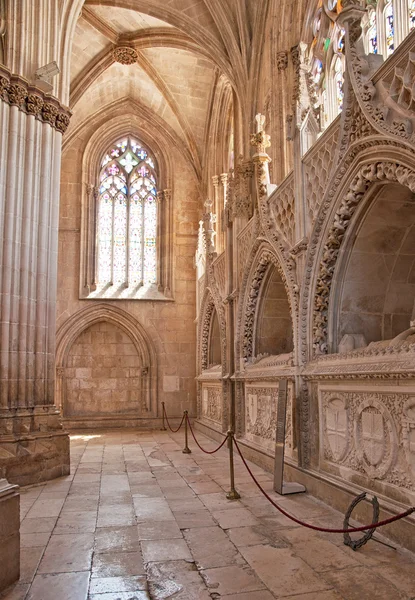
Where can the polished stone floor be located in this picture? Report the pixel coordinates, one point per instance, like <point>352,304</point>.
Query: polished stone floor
<point>138,519</point>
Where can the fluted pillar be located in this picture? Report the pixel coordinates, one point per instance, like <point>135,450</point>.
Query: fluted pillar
<point>31,126</point>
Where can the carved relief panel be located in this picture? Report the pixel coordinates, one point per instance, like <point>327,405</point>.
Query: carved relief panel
<point>261,415</point>
<point>370,432</point>
<point>212,403</point>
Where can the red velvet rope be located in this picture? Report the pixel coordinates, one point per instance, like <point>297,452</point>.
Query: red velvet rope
<point>324,529</point>
<point>202,449</point>
<point>167,419</point>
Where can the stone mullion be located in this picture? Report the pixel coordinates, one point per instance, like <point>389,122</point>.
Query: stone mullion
<point>160,241</point>
<point>217,209</point>
<point>168,244</point>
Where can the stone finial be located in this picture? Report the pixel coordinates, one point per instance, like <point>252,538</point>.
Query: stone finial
<point>125,55</point>
<point>260,139</point>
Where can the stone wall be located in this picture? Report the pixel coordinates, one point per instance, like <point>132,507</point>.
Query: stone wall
<point>169,324</point>
<point>103,374</point>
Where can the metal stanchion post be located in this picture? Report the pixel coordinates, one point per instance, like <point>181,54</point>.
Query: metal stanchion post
<point>232,494</point>
<point>186,449</point>
<point>162,410</point>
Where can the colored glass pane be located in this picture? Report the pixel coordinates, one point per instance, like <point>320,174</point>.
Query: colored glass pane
<point>105,239</point>
<point>150,232</point>
<point>389,28</point>
<point>120,239</point>
<point>411,14</point>
<point>135,240</point>
<point>372,33</point>
<point>338,78</point>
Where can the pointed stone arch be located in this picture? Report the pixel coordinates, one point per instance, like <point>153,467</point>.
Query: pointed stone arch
<point>349,190</point>
<point>80,321</point>
<point>261,258</point>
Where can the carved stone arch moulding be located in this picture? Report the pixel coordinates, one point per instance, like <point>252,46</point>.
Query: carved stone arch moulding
<point>69,331</point>
<point>261,258</point>
<point>366,176</point>
<point>206,314</point>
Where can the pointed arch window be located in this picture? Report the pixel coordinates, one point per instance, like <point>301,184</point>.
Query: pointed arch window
<point>389,27</point>
<point>127,216</point>
<point>126,220</point>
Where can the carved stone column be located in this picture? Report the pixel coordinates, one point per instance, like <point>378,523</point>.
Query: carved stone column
<point>224,179</point>
<point>33,446</point>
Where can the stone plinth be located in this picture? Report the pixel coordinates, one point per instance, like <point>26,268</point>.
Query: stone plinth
<point>33,445</point>
<point>9,534</point>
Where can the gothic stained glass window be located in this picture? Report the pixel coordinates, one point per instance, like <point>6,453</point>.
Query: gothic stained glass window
<point>372,33</point>
<point>127,216</point>
<point>411,7</point>
<point>338,78</point>
<point>389,27</point>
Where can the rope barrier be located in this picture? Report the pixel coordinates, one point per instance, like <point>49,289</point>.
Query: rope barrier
<point>315,527</point>
<point>202,449</point>
<point>167,420</point>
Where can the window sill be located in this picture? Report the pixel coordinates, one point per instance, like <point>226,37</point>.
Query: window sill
<point>113,292</point>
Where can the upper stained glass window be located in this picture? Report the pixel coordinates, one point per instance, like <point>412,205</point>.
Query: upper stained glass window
<point>127,216</point>
<point>411,7</point>
<point>389,28</point>
<point>372,32</point>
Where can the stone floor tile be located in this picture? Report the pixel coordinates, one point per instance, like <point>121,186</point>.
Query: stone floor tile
<point>194,518</point>
<point>232,580</point>
<point>176,579</point>
<point>16,592</point>
<point>62,586</point>
<point>319,554</point>
<point>233,517</point>
<point>262,595</point>
<point>29,562</point>
<point>106,585</point>
<point>136,595</point>
<point>48,507</point>
<point>32,540</point>
<point>144,490</point>
<point>156,530</point>
<point>39,525</point>
<point>177,493</point>
<point>76,522</point>
<point>117,564</point>
<point>164,550</point>
<point>116,515</point>
<point>68,553</point>
<point>205,487</point>
<point>293,575</point>
<point>211,548</point>
<point>116,539</point>
<point>219,501</point>
<point>401,575</point>
<point>327,595</point>
<point>185,504</point>
<point>152,509</point>
<point>75,503</point>
<point>361,583</point>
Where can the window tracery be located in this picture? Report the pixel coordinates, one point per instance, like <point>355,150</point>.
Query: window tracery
<point>127,216</point>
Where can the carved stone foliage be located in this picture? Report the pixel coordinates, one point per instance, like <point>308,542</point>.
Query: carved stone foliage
<point>219,269</point>
<point>371,433</point>
<point>261,415</point>
<point>368,174</point>
<point>244,245</point>
<point>125,55</point>
<point>205,319</point>
<point>212,403</point>
<point>16,91</point>
<point>282,60</point>
<point>317,167</point>
<point>387,98</point>
<point>238,191</point>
